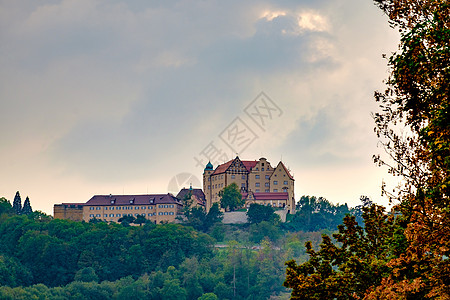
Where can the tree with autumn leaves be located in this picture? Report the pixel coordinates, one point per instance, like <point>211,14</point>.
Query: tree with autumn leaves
<point>411,256</point>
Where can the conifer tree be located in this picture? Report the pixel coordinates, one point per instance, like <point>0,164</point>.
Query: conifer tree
<point>26,210</point>
<point>17,204</point>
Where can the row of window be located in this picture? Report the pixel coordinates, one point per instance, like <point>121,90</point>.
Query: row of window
<point>234,177</point>
<point>285,190</point>
<point>131,207</point>
<point>170,213</point>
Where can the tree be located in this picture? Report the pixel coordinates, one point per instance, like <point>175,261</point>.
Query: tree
<point>140,220</point>
<point>356,265</point>
<point>86,275</point>
<point>5,206</point>
<point>257,213</point>
<point>213,217</point>
<point>230,197</point>
<point>26,210</point>
<point>17,204</point>
<point>315,214</point>
<point>418,97</point>
<point>126,220</point>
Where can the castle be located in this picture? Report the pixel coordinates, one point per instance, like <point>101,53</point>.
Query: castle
<point>258,181</point>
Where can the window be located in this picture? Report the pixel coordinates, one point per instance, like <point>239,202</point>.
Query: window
<point>243,185</point>
<point>267,176</point>
<point>262,164</point>
<point>257,176</point>
<point>243,176</point>
<point>98,215</point>
<point>117,215</point>
<point>233,176</point>
<point>98,208</point>
<point>285,190</point>
<point>285,182</point>
<point>257,190</point>
<point>91,215</point>
<point>275,182</point>
<point>275,190</point>
<point>136,215</point>
<point>150,215</point>
<point>91,208</point>
<point>105,215</point>
<point>257,184</point>
<point>111,208</point>
<point>111,215</point>
<point>171,213</point>
<point>160,213</point>
<point>262,169</point>
<point>106,208</point>
<point>267,184</point>
<point>209,187</point>
<point>267,190</point>
<point>143,207</point>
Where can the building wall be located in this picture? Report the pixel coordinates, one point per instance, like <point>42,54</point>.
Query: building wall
<point>68,212</point>
<point>156,213</point>
<point>259,178</point>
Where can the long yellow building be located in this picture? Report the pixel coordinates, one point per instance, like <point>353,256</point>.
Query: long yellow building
<point>258,180</point>
<point>156,208</point>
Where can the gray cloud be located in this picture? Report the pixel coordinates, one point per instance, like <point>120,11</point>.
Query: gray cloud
<point>124,92</point>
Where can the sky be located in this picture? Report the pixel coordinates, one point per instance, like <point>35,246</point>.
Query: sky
<point>134,97</point>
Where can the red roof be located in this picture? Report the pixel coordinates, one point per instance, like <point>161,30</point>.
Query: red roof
<point>268,196</point>
<point>103,200</point>
<point>248,164</point>
<point>222,168</point>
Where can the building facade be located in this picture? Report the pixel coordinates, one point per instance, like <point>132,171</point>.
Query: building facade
<point>256,179</point>
<point>154,207</point>
<point>68,211</point>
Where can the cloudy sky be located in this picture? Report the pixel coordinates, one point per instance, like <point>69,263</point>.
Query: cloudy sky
<point>100,97</point>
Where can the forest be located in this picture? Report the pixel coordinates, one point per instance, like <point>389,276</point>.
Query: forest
<point>42,257</point>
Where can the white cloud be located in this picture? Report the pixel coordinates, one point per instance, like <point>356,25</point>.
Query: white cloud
<point>313,21</point>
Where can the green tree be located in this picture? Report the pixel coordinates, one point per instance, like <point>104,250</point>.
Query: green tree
<point>86,275</point>
<point>17,204</point>
<point>353,267</point>
<point>231,197</point>
<point>5,206</point>
<point>213,217</point>
<point>126,220</point>
<point>141,220</point>
<point>257,213</point>
<point>27,210</point>
<point>315,214</point>
<point>208,296</point>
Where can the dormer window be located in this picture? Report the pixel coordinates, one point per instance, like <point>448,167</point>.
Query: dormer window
<point>113,201</point>
<point>132,201</point>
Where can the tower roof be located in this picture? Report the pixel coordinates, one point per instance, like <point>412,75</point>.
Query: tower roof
<point>209,166</point>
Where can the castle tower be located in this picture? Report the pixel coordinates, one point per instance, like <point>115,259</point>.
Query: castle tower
<point>207,184</point>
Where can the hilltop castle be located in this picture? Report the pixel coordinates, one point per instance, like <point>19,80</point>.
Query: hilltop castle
<point>258,180</point>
